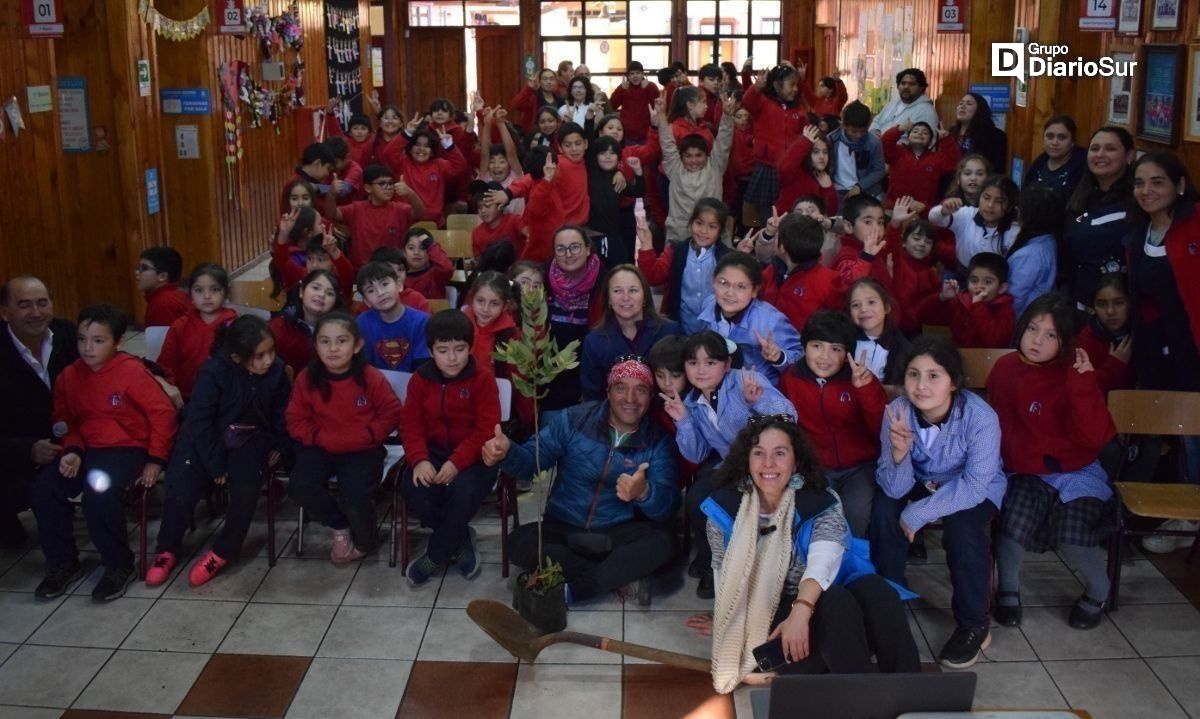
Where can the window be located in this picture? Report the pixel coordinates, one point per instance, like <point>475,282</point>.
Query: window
<point>460,13</point>
<point>606,36</point>
<point>732,30</point>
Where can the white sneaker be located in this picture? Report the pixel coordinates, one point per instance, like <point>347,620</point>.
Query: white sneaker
<point>1159,544</point>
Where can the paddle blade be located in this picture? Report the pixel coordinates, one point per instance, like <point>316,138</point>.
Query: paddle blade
<point>518,637</point>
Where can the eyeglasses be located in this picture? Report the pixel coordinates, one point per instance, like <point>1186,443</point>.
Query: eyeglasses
<point>759,419</point>
<point>572,249</point>
<point>145,268</point>
<point>385,184</point>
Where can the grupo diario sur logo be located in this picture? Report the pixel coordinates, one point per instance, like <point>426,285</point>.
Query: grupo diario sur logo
<point>1026,60</point>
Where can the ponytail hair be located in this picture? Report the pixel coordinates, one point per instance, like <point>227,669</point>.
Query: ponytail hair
<point>238,340</point>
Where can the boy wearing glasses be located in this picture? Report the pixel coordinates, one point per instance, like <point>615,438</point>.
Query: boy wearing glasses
<point>157,276</point>
<point>378,221</point>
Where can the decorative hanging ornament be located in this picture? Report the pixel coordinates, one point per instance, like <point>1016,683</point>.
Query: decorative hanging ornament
<point>175,30</point>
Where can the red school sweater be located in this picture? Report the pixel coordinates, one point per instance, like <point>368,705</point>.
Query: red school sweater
<point>913,175</point>
<point>1052,418</point>
<point>506,228</point>
<point>776,125</point>
<point>910,281</point>
<point>119,405</point>
<point>356,417</point>
<point>360,152</point>
<point>487,337</point>
<point>1111,373</point>
<point>796,180</point>
<point>292,273</point>
<point>165,304</point>
<point>428,179</point>
<point>633,104</point>
<point>431,281</point>
<point>842,421</point>
<point>454,416</point>
<point>188,344</point>
<point>571,186</point>
<point>293,341</point>
<point>544,214</point>
<point>822,106</point>
<point>682,127</point>
<point>373,226</point>
<point>972,324</point>
<point>808,288</point>
<point>851,262</point>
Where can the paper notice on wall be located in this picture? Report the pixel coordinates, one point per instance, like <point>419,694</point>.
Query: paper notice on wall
<point>39,98</point>
<point>73,114</point>
<point>13,110</point>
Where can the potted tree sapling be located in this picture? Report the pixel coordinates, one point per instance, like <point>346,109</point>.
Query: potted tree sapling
<point>538,595</point>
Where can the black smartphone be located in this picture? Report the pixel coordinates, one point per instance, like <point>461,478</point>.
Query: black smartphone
<point>769,656</point>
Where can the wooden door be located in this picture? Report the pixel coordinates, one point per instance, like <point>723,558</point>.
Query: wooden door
<point>435,59</point>
<point>498,63</point>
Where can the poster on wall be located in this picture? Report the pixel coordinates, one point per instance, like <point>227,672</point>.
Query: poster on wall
<point>1191,128</point>
<point>1159,86</point>
<point>1098,15</point>
<point>1166,15</point>
<point>73,120</point>
<point>1120,93</point>
<point>1130,21</point>
<point>952,15</point>
<point>342,58</point>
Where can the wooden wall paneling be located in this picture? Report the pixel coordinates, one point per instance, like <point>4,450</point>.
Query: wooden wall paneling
<point>364,49</point>
<point>498,63</point>
<point>440,52</point>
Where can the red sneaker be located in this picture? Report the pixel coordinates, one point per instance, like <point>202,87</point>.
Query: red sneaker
<point>205,568</point>
<point>160,569</point>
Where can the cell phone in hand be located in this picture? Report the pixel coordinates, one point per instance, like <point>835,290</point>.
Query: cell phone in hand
<point>769,656</point>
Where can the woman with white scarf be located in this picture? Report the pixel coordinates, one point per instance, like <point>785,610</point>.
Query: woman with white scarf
<point>785,567</point>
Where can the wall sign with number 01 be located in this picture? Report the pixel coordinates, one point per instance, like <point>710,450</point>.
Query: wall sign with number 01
<point>43,18</point>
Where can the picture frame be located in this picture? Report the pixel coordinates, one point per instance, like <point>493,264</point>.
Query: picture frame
<point>1191,125</point>
<point>1160,92</point>
<point>1165,14</point>
<point>1129,19</point>
<point>1120,94</point>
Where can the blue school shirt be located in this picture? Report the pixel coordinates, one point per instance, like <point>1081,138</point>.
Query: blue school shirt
<point>398,345</point>
<point>962,461</point>
<point>1032,271</point>
<point>706,430</point>
<point>696,286</point>
<point>763,319</point>
<point>1089,481</point>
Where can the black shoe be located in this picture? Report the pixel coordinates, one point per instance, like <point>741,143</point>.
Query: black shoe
<point>964,647</point>
<point>1007,615</point>
<point>112,585</point>
<point>917,554</point>
<point>704,590</point>
<point>697,569</point>
<point>639,590</point>
<point>1086,614</point>
<point>57,580</point>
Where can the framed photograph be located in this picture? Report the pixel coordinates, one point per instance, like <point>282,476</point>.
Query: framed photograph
<point>1159,91</point>
<point>1191,125</point>
<point>1129,21</point>
<point>1166,14</point>
<point>1120,93</point>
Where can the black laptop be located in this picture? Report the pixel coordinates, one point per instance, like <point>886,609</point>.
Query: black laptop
<point>863,696</point>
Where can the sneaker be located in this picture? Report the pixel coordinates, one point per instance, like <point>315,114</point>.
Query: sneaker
<point>112,585</point>
<point>705,589</point>
<point>343,545</point>
<point>697,569</point>
<point>57,580</point>
<point>1086,614</point>
<point>639,590</point>
<point>160,569</point>
<point>1007,615</point>
<point>466,559</point>
<point>421,570</point>
<point>1159,544</point>
<point>205,568</point>
<point>964,647</point>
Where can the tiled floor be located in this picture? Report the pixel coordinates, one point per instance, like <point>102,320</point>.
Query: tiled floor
<point>306,639</point>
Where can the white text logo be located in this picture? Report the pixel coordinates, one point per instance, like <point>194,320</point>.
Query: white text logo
<point>1016,59</point>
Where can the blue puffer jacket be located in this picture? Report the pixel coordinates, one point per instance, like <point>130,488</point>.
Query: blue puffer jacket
<point>579,441</point>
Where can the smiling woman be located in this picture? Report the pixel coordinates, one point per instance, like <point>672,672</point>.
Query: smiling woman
<point>573,280</point>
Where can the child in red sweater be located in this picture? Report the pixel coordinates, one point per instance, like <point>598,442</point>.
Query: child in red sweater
<point>804,170</point>
<point>916,170</point>
<point>839,405</point>
<point>1106,336</point>
<point>390,208</point>
<point>495,225</point>
<point>428,266</point>
<point>795,281</point>
<point>408,296</point>
<point>157,276</point>
<point>321,251</point>
<point>1054,424</point>
<point>452,408</point>
<point>907,267</point>
<point>319,293</point>
<point>428,174</point>
<point>490,306</point>
<point>980,316</point>
<point>670,380</point>
<point>829,98</point>
<point>347,170</point>
<point>190,338</point>
<point>741,160</point>
<point>779,117</point>
<point>341,411</point>
<point>568,179</point>
<point>545,211</point>
<point>316,165</point>
<point>633,100</point>
<point>864,215</point>
<point>359,138</point>
<point>119,426</point>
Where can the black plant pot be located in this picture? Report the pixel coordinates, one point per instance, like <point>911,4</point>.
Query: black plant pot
<point>545,609</point>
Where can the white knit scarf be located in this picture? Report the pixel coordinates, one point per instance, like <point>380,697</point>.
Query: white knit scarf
<point>749,586</point>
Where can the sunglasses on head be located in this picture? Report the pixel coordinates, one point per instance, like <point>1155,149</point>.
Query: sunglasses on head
<point>761,419</point>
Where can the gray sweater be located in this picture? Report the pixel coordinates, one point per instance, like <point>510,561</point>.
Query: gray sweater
<point>688,187</point>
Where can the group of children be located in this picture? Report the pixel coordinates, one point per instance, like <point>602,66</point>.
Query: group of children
<point>817,316</point>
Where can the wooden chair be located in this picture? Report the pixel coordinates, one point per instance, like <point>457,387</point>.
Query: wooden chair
<point>1138,412</point>
<point>155,336</point>
<point>977,365</point>
<point>264,314</point>
<point>437,305</point>
<point>425,225</point>
<point>462,222</point>
<point>506,494</point>
<point>457,244</point>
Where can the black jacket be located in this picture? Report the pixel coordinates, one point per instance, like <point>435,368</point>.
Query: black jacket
<point>27,402</point>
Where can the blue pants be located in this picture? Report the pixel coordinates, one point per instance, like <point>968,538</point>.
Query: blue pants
<point>448,508</point>
<point>357,472</point>
<point>102,479</point>
<point>965,535</point>
<point>187,480</point>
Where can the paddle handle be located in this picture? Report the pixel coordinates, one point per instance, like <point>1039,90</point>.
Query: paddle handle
<point>616,646</point>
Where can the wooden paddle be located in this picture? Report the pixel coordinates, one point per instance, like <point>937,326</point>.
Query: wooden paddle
<point>523,640</point>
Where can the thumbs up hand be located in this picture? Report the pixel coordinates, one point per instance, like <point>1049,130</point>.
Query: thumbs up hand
<point>336,186</point>
<point>495,449</point>
<point>633,487</point>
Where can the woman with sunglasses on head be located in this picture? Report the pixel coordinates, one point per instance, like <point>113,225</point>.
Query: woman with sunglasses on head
<point>787,570</point>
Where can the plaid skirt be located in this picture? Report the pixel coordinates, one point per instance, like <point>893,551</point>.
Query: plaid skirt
<point>1035,518</point>
<point>763,187</point>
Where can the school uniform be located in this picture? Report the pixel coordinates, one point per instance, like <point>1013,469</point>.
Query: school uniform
<point>796,180</point>
<point>292,274</point>
<point>1111,373</point>
<point>360,152</point>
<point>1032,271</point>
<point>633,103</point>
<point>507,227</point>
<point>777,125</point>
<point>884,354</point>
<point>544,214</point>
<point>528,101</point>
<point>917,175</point>
<point>293,338</point>
<point>758,319</point>
<point>801,291</point>
<point>188,344</point>
<point>823,106</point>
<point>973,324</point>
<point>909,281</point>
<point>689,187</point>
<point>490,337</point>
<point>571,186</point>
<point>971,236</point>
<point>685,273</point>
<point>373,226</point>
<point>428,179</point>
<point>398,345</point>
<point>165,304</point>
<point>852,261</point>
<point>431,281</point>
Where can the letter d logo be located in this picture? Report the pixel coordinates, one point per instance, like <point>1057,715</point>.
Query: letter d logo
<point>1008,60</point>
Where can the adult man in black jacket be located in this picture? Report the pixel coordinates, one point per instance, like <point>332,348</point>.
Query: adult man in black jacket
<point>34,348</point>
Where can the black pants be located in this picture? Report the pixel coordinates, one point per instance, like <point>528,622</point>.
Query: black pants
<point>636,549</point>
<point>102,478</point>
<point>965,535</point>
<point>187,480</point>
<point>701,488</point>
<point>357,474</point>
<point>852,622</point>
<point>856,488</point>
<point>448,508</point>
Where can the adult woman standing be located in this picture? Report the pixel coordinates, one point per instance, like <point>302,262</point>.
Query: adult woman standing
<point>975,131</point>
<point>572,281</point>
<point>1095,222</point>
<point>779,542</point>
<point>630,326</point>
<point>1062,162</point>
